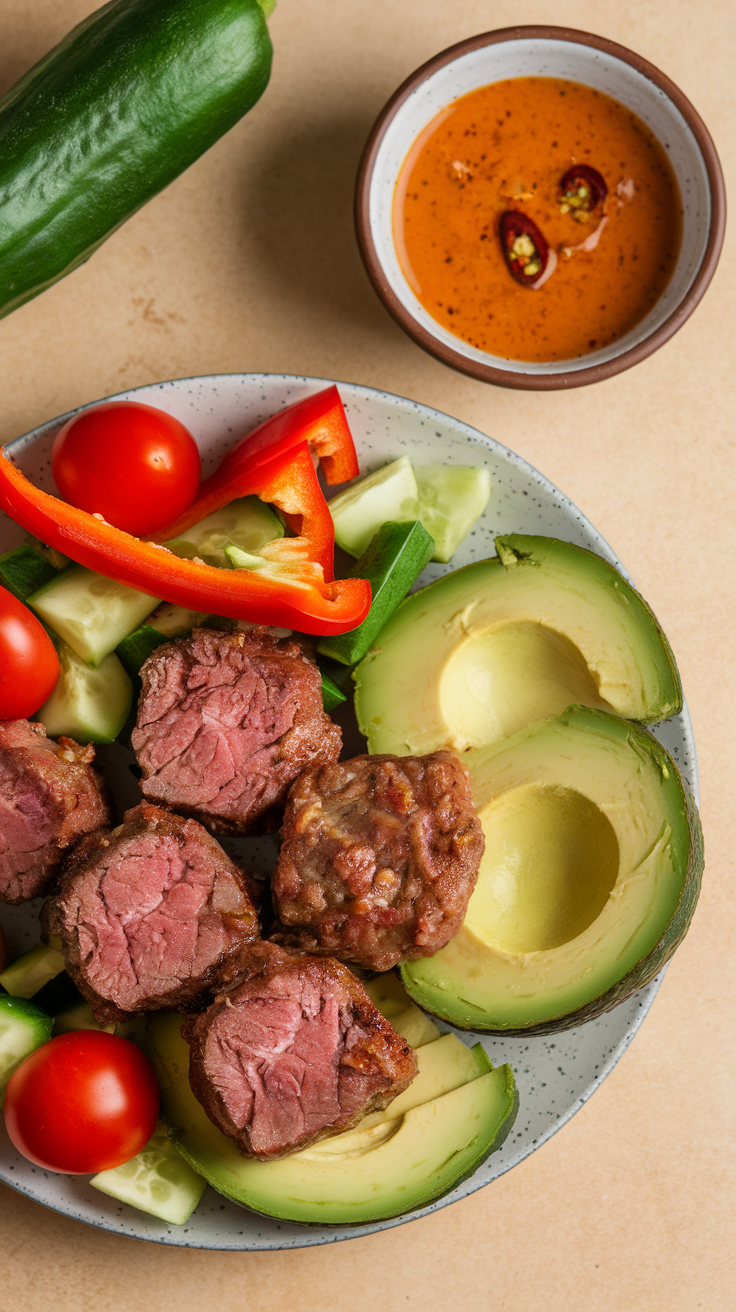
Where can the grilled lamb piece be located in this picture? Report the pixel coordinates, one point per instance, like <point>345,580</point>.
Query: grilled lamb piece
<point>379,857</point>
<point>226,722</point>
<point>295,1053</point>
<point>152,915</point>
<point>50,796</point>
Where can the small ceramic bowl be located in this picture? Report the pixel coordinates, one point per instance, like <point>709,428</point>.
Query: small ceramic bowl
<point>579,57</point>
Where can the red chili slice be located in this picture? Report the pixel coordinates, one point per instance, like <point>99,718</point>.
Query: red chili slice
<point>524,247</point>
<point>582,189</point>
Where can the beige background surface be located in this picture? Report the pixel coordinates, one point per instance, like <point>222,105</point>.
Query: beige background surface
<point>248,262</point>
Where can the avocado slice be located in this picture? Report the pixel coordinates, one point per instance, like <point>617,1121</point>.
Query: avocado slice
<point>589,880</point>
<point>505,642</point>
<point>454,1114</point>
<point>388,994</point>
<point>442,1066</point>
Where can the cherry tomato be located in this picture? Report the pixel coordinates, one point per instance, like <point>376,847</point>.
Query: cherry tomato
<point>82,1102</point>
<point>136,466</point>
<point>29,665</point>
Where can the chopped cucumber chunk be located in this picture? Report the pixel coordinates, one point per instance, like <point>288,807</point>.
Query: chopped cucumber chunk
<point>446,498</point>
<point>392,562</point>
<point>332,696</point>
<point>246,523</point>
<point>167,622</point>
<point>90,612</point>
<point>175,621</point>
<point>451,497</point>
<point>32,971</point>
<point>358,512</point>
<point>89,705</point>
<point>134,650</point>
<point>23,1028</point>
<point>157,1181</point>
<point>24,570</point>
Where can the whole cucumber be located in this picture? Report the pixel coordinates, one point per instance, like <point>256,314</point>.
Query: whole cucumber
<point>127,101</point>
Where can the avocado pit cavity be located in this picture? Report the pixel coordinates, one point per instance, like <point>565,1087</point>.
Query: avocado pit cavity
<point>495,646</point>
<point>551,863</point>
<point>502,678</point>
<point>590,875</point>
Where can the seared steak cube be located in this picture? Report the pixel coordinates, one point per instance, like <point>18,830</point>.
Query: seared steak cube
<point>49,796</point>
<point>152,915</point>
<point>379,858</point>
<point>226,722</point>
<point>295,1053</point>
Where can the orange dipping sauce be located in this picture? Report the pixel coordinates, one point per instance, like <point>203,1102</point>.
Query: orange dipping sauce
<point>506,147</point>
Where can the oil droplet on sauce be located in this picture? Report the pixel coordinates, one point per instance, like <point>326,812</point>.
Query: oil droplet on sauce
<point>506,147</point>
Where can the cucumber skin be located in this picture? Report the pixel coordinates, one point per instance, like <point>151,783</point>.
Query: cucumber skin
<point>24,571</point>
<point>332,696</point>
<point>127,101</point>
<point>29,1012</point>
<point>73,709</point>
<point>392,562</point>
<point>26,1015</point>
<point>134,650</point>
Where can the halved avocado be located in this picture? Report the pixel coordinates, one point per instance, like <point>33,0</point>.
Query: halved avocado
<point>589,880</point>
<point>456,1112</point>
<point>482,652</point>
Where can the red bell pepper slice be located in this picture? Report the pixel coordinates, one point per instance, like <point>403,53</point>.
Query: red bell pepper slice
<point>309,606</point>
<point>318,420</point>
<point>288,483</point>
<point>318,423</point>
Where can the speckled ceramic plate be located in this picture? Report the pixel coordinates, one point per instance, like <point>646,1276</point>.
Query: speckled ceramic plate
<point>556,1074</point>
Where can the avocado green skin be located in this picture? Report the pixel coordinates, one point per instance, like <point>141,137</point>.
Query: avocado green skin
<point>519,549</point>
<point>691,859</point>
<point>524,554</point>
<point>284,1213</point>
<point>127,101</point>
<point>197,1141</point>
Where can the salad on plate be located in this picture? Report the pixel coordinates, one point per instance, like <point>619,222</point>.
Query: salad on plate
<point>479,834</point>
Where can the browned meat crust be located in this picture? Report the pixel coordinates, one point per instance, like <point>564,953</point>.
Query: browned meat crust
<point>379,857</point>
<point>293,1054</point>
<point>226,722</point>
<point>152,915</point>
<point>50,795</point>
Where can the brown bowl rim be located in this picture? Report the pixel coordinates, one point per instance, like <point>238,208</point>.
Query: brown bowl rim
<point>563,379</point>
